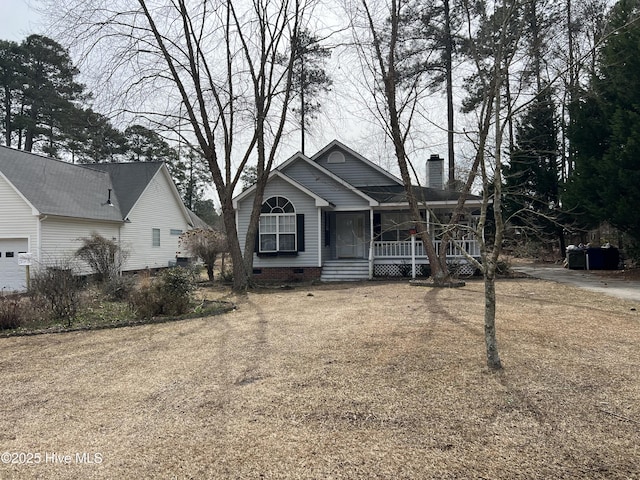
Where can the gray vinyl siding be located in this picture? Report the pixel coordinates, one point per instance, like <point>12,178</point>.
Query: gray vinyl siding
<point>355,171</point>
<point>304,204</point>
<point>326,187</point>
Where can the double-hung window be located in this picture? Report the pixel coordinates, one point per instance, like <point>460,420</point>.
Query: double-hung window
<point>277,230</point>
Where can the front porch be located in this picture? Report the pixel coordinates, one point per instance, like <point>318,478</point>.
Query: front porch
<point>399,259</point>
<point>364,245</point>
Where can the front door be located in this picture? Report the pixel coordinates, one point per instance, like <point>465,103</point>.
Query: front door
<point>350,235</point>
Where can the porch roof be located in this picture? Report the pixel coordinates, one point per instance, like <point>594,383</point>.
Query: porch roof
<point>396,194</point>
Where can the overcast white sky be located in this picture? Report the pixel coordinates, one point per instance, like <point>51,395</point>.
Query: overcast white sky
<point>17,19</point>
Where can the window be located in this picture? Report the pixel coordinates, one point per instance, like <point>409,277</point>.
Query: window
<point>277,228</point>
<point>336,157</point>
<point>155,237</point>
<point>175,231</point>
<point>9,254</point>
<point>396,226</point>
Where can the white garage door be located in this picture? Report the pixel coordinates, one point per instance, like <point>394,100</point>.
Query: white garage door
<point>12,275</point>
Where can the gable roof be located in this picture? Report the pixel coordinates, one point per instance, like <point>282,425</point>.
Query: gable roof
<point>54,187</point>
<point>129,180</point>
<point>301,157</point>
<point>337,144</point>
<point>320,202</point>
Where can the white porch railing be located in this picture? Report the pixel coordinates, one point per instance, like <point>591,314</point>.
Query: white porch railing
<point>403,249</point>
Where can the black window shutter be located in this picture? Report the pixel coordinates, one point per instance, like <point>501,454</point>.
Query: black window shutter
<point>300,231</point>
<point>256,247</point>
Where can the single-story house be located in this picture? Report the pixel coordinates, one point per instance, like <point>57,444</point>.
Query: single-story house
<point>338,216</point>
<point>49,205</point>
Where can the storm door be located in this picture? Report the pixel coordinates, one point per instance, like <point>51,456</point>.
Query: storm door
<point>350,235</point>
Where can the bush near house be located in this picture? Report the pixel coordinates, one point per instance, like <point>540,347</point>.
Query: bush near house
<point>205,244</point>
<point>59,289</point>
<point>170,293</point>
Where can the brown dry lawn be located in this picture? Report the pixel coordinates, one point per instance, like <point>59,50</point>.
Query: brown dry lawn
<point>371,380</point>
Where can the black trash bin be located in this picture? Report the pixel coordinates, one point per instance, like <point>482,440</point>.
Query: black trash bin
<point>576,259</point>
<point>595,259</point>
<point>611,258</point>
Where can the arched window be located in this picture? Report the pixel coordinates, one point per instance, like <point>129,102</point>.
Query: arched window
<point>277,231</point>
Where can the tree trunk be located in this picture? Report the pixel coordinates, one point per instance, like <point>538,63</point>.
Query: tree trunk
<point>390,79</point>
<point>493,358</point>
<point>449,86</point>
<point>7,115</point>
<point>240,277</point>
<point>210,271</point>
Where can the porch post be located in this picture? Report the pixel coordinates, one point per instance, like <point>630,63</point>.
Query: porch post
<point>320,239</point>
<point>371,238</point>
<point>413,256</point>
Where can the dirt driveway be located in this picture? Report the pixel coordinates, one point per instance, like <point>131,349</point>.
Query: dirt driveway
<point>367,380</point>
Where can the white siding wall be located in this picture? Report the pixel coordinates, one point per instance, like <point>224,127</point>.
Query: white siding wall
<point>156,208</point>
<point>303,204</point>
<point>61,237</point>
<point>16,217</point>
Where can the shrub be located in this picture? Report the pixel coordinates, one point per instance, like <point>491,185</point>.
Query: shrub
<point>103,256</point>
<point>169,294</point>
<point>60,289</point>
<point>118,288</point>
<point>205,244</point>
<point>175,287</point>
<point>10,315</point>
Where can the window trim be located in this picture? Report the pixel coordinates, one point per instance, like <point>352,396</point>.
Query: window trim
<point>155,232</point>
<point>278,215</point>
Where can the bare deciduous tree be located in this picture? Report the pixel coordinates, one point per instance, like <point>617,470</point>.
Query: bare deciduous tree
<point>210,72</point>
<point>205,244</point>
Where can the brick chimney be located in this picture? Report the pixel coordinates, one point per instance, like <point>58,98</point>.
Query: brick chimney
<point>435,172</point>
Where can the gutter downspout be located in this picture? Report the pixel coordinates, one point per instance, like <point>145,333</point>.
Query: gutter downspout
<point>39,233</point>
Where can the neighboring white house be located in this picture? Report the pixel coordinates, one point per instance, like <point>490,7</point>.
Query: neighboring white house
<point>338,216</point>
<point>47,206</point>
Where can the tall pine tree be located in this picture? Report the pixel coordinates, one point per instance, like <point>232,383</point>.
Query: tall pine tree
<point>532,176</point>
<point>605,185</point>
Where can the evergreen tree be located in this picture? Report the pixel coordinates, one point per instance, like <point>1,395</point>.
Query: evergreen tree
<point>40,98</point>
<point>189,172</point>
<point>531,178</point>
<point>605,185</point>
<point>11,82</point>
<point>49,93</point>
<point>93,139</point>
<point>194,177</point>
<point>309,79</point>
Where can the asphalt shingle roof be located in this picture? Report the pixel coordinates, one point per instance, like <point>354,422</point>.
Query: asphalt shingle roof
<point>55,187</point>
<point>397,194</point>
<point>129,180</point>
